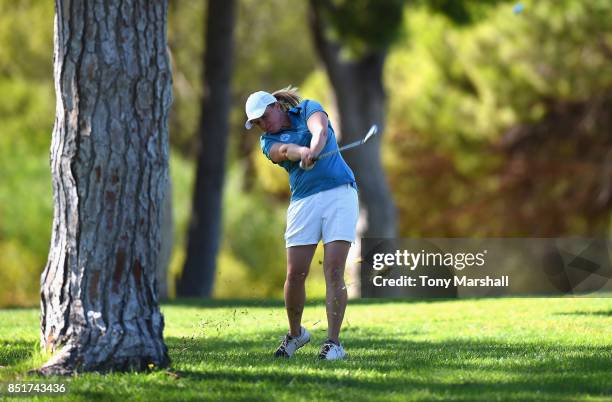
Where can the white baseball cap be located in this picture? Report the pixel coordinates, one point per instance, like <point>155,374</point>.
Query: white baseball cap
<point>256,105</point>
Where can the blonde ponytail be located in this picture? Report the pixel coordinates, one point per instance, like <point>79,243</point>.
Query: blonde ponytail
<point>288,97</point>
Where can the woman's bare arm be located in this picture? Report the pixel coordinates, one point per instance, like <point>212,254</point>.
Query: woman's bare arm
<point>317,125</point>
<point>282,152</point>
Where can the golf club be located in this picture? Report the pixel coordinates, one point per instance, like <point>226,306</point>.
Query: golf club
<point>371,132</point>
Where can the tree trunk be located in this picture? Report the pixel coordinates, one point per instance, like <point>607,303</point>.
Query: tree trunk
<point>205,225</point>
<point>361,99</point>
<point>109,165</point>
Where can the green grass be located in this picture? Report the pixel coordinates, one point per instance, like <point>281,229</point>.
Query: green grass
<point>485,350</point>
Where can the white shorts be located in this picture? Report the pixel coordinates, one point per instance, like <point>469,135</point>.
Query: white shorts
<point>327,215</point>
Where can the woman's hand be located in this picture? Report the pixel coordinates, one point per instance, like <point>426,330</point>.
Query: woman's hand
<point>293,152</point>
<point>307,158</point>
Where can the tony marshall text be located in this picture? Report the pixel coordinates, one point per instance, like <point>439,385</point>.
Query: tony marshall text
<point>426,281</point>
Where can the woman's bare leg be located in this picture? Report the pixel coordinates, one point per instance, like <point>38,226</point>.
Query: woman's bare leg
<point>298,264</point>
<point>335,295</point>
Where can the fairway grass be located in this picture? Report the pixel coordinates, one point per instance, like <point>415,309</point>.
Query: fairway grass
<point>482,350</point>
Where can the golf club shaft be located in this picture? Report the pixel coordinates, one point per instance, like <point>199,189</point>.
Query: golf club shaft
<point>371,132</point>
<point>344,148</point>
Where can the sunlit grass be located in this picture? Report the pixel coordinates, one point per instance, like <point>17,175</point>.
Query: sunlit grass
<point>493,349</point>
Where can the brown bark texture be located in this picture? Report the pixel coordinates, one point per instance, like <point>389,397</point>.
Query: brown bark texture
<point>109,165</point>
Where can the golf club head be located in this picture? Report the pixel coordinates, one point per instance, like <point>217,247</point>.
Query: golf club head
<point>372,132</point>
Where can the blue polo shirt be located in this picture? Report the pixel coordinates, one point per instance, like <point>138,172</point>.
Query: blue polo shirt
<point>327,173</point>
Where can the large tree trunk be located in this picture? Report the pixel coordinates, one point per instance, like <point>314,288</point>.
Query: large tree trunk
<point>109,165</point>
<point>205,225</point>
<point>361,99</point>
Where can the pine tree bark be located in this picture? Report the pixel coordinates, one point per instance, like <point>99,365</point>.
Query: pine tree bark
<point>204,234</point>
<point>361,99</point>
<point>109,165</point>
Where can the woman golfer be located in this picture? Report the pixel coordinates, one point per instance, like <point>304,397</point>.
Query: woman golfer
<point>323,206</point>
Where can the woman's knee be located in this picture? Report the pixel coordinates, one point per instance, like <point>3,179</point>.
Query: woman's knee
<point>296,275</point>
<point>334,272</point>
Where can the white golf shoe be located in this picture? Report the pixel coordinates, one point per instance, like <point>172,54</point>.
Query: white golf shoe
<point>331,351</point>
<point>292,343</point>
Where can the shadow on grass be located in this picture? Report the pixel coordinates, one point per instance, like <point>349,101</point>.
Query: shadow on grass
<point>20,307</point>
<point>481,370</point>
<point>602,313</point>
<point>221,303</point>
<point>233,303</point>
<point>380,367</point>
<point>15,352</point>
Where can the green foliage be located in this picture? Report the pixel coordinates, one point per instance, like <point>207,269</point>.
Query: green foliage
<point>27,113</point>
<point>479,81</point>
<point>362,25</point>
<point>468,350</point>
<point>460,12</point>
<point>496,125</point>
<point>186,34</point>
<point>269,61</point>
<point>272,178</point>
<point>253,231</point>
<point>182,173</point>
<point>272,50</point>
<point>26,205</point>
<point>26,38</point>
<point>20,269</point>
<point>488,123</point>
<point>317,86</point>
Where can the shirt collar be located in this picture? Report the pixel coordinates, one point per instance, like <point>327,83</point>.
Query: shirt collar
<point>295,109</point>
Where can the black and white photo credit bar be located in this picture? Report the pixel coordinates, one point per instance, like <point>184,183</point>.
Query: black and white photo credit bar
<point>464,267</point>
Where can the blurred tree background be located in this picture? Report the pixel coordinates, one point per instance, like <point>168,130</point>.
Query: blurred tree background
<point>497,124</point>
